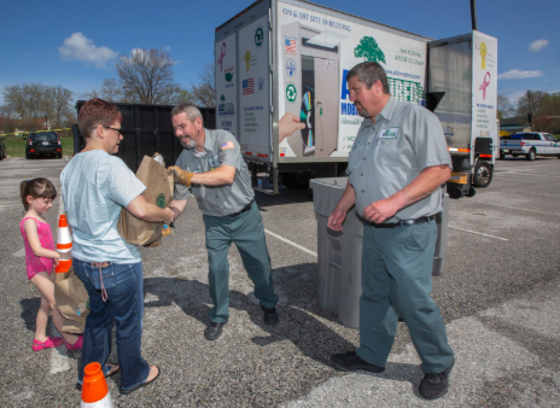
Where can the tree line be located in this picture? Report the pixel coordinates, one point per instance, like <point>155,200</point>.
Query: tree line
<point>536,109</point>
<point>146,76</point>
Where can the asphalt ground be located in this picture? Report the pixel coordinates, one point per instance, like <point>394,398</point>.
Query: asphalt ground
<point>499,295</point>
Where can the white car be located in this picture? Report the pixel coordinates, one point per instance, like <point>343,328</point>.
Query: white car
<point>530,145</point>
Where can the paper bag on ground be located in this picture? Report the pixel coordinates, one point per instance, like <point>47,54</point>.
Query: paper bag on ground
<point>72,301</point>
<point>159,192</point>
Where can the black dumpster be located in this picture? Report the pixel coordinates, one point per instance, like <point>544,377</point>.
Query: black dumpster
<point>146,129</point>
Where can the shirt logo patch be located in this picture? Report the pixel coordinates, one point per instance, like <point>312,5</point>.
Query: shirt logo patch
<point>227,145</point>
<point>214,161</point>
<point>389,133</point>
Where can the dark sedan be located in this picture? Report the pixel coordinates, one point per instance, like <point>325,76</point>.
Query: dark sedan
<point>42,144</point>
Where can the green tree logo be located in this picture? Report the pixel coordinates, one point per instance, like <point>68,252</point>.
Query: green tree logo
<point>369,50</point>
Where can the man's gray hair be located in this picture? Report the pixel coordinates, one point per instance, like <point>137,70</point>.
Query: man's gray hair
<point>188,109</point>
<point>370,72</point>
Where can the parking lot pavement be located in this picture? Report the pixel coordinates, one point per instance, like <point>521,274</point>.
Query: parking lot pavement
<point>499,295</point>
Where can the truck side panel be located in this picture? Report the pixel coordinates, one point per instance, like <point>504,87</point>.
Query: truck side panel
<point>315,49</point>
<point>226,84</point>
<point>450,71</point>
<point>254,89</point>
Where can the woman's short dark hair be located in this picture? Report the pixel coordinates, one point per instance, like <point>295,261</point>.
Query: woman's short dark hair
<point>97,112</point>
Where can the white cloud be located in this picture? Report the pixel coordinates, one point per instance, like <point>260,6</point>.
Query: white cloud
<point>538,45</point>
<point>520,74</point>
<point>80,48</point>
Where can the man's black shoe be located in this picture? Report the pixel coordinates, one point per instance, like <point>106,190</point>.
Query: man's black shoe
<point>351,362</point>
<point>270,315</point>
<point>436,385</point>
<point>214,330</point>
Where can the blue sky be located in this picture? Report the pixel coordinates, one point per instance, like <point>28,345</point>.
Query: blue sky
<point>73,43</point>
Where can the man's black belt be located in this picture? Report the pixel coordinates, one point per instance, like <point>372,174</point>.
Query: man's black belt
<point>244,209</point>
<point>404,222</point>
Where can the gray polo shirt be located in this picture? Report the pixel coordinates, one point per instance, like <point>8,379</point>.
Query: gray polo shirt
<point>220,148</point>
<point>388,155</point>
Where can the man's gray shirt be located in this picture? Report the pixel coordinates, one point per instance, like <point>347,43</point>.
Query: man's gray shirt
<point>388,155</point>
<point>220,148</point>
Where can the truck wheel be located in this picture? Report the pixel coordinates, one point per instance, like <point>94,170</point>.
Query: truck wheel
<point>296,181</point>
<point>532,155</point>
<point>482,176</point>
<point>502,155</point>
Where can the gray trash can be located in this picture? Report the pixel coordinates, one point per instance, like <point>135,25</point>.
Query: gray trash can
<point>340,253</point>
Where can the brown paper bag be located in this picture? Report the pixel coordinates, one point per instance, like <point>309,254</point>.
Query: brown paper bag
<point>72,301</point>
<point>158,191</point>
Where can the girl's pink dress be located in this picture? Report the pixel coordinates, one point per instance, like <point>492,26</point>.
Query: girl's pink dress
<point>36,264</point>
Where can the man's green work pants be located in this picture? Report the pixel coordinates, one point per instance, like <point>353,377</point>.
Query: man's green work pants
<point>397,281</point>
<point>247,232</point>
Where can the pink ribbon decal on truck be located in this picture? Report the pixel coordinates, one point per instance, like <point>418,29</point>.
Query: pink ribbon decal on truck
<point>222,55</point>
<point>485,85</point>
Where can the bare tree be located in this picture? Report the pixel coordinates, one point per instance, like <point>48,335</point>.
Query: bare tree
<point>147,76</point>
<point>35,100</point>
<point>505,108</point>
<point>26,100</point>
<point>111,90</point>
<point>204,94</point>
<point>7,120</point>
<point>57,100</point>
<point>541,110</point>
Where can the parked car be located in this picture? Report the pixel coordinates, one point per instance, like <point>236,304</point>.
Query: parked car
<point>2,148</point>
<point>43,143</point>
<point>530,145</point>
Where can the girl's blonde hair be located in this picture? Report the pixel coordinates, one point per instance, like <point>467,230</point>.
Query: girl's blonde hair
<point>38,187</point>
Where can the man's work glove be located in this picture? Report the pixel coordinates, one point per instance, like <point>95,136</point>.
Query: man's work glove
<point>180,176</point>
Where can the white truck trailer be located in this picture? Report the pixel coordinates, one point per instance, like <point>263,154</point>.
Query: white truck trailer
<point>292,56</point>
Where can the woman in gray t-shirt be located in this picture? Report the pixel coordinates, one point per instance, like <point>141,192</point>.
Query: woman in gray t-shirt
<point>96,185</point>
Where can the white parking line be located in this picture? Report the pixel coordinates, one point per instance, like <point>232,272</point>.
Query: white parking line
<point>478,233</point>
<point>287,241</point>
<point>515,208</point>
<point>526,173</point>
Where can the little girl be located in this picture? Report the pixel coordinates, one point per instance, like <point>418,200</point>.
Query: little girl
<point>37,196</point>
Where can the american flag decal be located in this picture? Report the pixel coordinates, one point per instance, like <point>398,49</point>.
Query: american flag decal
<point>289,46</point>
<point>248,86</point>
<point>228,145</point>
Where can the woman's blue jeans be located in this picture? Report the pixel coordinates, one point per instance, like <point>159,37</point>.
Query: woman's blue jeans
<point>125,302</point>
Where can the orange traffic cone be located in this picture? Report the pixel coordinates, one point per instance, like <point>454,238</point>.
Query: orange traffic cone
<point>95,392</point>
<point>64,246</point>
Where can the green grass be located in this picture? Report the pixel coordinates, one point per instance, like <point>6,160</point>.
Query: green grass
<point>15,146</point>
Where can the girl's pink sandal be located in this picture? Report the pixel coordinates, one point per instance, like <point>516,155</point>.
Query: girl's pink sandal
<point>49,343</point>
<point>77,345</point>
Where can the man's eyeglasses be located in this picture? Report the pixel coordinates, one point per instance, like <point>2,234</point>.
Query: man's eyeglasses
<point>119,131</point>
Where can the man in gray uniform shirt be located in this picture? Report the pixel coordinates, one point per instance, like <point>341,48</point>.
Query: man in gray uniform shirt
<point>397,165</point>
<point>221,184</point>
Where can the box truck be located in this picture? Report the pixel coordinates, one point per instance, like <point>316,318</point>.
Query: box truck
<point>292,56</point>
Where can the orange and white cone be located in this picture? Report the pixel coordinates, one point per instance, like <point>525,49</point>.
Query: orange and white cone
<point>95,392</point>
<point>64,246</point>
